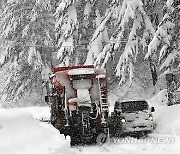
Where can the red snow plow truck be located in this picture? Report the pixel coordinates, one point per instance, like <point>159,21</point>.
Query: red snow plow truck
<point>79,104</point>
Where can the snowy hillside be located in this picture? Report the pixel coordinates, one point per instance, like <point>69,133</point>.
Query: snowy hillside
<point>21,132</point>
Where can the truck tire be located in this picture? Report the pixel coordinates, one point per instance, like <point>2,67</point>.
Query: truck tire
<point>75,140</point>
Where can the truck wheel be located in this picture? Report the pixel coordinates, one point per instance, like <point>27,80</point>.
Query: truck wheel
<point>146,133</point>
<point>74,140</point>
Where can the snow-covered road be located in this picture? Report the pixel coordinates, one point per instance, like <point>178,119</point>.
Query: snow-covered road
<point>155,143</point>
<point>22,133</point>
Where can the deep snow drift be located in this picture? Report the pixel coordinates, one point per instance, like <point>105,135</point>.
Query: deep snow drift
<point>21,132</point>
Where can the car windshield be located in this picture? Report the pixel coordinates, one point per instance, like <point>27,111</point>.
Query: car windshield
<point>133,106</point>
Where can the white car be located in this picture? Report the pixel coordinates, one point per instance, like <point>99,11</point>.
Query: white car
<point>133,117</point>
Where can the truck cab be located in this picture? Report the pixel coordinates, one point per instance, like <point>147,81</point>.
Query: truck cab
<point>133,117</point>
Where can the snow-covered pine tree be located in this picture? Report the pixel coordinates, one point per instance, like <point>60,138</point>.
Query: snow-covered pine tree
<point>165,42</point>
<point>129,40</point>
<point>76,21</point>
<point>95,47</point>
<point>26,34</point>
<point>2,5</point>
<point>65,25</point>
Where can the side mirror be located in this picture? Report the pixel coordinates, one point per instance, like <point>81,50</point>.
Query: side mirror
<point>47,99</point>
<point>152,109</point>
<point>116,105</point>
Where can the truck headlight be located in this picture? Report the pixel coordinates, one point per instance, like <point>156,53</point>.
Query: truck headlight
<point>123,120</point>
<point>151,117</point>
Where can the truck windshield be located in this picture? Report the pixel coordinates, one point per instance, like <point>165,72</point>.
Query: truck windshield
<point>134,106</point>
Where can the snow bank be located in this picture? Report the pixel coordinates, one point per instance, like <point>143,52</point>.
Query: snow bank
<point>168,120</point>
<point>41,113</point>
<point>160,99</point>
<point>20,133</point>
<point>167,117</point>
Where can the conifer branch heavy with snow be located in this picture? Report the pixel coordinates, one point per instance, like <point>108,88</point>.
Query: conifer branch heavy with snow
<point>134,28</point>
<point>26,44</point>
<point>80,32</point>
<point>167,37</point>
